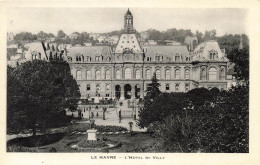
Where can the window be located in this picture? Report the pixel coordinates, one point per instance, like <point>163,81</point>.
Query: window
<point>69,59</point>
<point>107,87</point>
<point>167,87</point>
<point>98,75</point>
<point>97,90</point>
<point>117,74</point>
<point>148,58</point>
<point>187,87</point>
<point>167,74</point>
<point>88,59</point>
<point>212,74</point>
<point>177,86</point>
<point>78,58</point>
<point>158,74</point>
<point>128,73</point>
<point>88,87</point>
<point>222,73</point>
<point>88,75</point>
<point>123,42</point>
<point>187,74</point>
<point>148,74</point>
<point>107,74</point>
<point>203,74</point>
<point>213,56</point>
<point>127,41</point>
<point>137,74</point>
<point>133,42</point>
<point>157,58</point>
<point>177,74</point>
<point>78,75</point>
<point>177,58</point>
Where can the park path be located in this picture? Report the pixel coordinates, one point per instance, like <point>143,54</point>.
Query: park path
<point>112,117</point>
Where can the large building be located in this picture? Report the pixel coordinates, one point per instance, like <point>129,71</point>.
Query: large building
<point>126,71</point>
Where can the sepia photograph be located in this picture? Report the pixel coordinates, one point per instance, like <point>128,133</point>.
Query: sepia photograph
<point>127,80</point>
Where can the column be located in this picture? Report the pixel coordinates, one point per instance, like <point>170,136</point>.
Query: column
<point>142,91</point>
<point>132,92</point>
<point>122,92</point>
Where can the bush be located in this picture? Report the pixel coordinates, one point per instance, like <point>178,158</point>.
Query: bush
<point>35,141</point>
<point>218,123</point>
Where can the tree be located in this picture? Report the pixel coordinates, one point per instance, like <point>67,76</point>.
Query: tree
<point>42,35</point>
<point>25,36</point>
<point>38,95</point>
<point>153,88</point>
<point>61,34</point>
<point>241,60</point>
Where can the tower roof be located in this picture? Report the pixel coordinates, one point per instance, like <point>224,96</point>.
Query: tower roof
<point>128,12</point>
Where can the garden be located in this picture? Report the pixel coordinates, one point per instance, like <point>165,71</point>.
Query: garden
<point>65,137</point>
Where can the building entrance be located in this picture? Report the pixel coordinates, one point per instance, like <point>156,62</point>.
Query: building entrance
<point>118,91</point>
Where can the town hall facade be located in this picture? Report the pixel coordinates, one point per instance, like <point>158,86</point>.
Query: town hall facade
<point>126,71</point>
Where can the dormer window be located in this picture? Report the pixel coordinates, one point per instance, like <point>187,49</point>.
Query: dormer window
<point>148,58</point>
<point>213,55</point>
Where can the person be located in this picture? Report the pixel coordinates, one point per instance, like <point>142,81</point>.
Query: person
<point>119,115</point>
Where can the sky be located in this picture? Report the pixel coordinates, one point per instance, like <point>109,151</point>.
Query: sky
<point>99,20</point>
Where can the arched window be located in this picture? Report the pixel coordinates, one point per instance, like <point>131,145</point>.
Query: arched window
<point>118,74</point>
<point>148,74</point>
<point>187,74</point>
<point>177,58</point>
<point>168,74</point>
<point>137,74</point>
<point>107,87</point>
<point>88,87</point>
<point>98,75</point>
<point>78,58</point>
<point>158,74</point>
<point>187,87</point>
<point>148,58</point>
<point>128,73</point>
<point>177,74</point>
<point>212,74</point>
<point>88,59</point>
<point>78,75</point>
<point>177,87</point>
<point>167,87</point>
<point>157,58</point>
<point>88,75</point>
<point>107,74</point>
